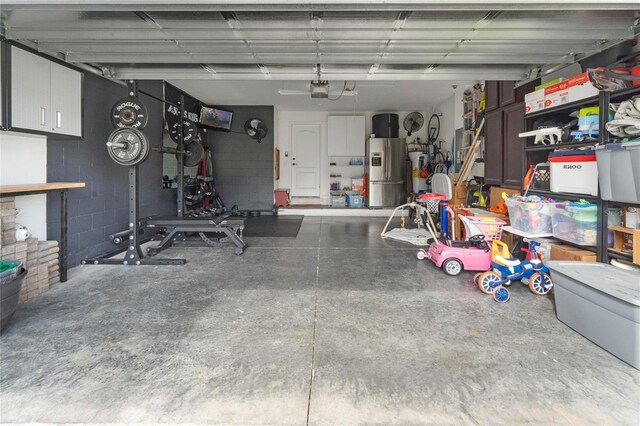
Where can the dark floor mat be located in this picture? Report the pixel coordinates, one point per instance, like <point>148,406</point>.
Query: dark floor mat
<point>272,226</point>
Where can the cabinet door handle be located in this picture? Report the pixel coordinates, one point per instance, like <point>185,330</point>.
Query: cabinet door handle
<point>58,119</point>
<point>43,116</point>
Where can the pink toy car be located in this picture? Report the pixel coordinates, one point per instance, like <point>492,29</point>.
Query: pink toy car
<point>471,255</point>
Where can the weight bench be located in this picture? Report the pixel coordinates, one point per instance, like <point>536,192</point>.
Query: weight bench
<point>212,231</point>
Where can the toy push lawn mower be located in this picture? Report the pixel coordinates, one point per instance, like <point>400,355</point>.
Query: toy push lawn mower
<point>506,269</point>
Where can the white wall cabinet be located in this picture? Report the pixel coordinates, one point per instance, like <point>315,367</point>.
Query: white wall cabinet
<point>355,136</point>
<point>346,136</point>
<point>337,136</point>
<point>30,91</point>
<point>45,96</point>
<point>66,100</point>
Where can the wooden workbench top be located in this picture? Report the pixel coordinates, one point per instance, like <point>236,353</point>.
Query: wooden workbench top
<point>39,187</point>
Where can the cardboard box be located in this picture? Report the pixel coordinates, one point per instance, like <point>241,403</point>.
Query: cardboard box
<point>509,239</point>
<point>548,83</point>
<point>459,194</point>
<point>560,252</point>
<point>573,89</point>
<point>534,101</point>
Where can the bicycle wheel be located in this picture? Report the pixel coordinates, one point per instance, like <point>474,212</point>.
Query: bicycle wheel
<point>433,128</point>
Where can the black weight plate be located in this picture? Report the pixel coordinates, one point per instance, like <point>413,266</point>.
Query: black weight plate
<point>196,154</point>
<point>129,112</point>
<point>128,146</point>
<point>189,131</point>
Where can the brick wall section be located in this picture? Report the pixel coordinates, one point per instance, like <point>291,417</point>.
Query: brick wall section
<point>100,209</point>
<point>7,221</point>
<point>243,168</point>
<point>40,258</point>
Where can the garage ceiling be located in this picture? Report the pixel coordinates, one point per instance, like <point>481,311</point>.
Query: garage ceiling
<point>389,96</point>
<point>348,40</point>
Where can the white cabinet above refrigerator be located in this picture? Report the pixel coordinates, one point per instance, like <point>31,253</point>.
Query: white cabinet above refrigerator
<point>346,136</point>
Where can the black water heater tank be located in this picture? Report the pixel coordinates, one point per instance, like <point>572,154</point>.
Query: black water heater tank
<point>385,125</point>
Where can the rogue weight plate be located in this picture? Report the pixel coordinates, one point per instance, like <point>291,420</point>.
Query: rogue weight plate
<point>195,156</point>
<point>128,146</point>
<point>129,112</point>
<point>189,131</point>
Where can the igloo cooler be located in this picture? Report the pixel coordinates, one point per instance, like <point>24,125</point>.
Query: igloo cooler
<point>601,302</point>
<point>574,171</point>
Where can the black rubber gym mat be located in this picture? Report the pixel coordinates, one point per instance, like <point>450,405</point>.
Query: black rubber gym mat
<point>272,226</point>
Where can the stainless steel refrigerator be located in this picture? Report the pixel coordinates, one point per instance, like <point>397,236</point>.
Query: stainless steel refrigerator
<point>386,168</point>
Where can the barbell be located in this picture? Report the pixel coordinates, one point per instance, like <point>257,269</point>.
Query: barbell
<point>129,147</point>
<point>193,153</point>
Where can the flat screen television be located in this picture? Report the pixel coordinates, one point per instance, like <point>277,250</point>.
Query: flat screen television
<point>216,118</point>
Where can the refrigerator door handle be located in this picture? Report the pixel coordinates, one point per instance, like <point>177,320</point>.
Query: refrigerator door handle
<point>386,159</point>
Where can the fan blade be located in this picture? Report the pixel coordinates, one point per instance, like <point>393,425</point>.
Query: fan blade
<point>287,92</point>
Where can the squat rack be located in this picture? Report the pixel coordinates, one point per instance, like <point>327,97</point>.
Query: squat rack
<point>178,225</point>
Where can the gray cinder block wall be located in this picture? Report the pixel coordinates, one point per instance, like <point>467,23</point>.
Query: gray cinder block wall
<point>243,168</point>
<point>101,208</point>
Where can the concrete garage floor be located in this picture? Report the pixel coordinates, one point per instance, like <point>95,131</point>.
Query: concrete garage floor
<point>336,326</point>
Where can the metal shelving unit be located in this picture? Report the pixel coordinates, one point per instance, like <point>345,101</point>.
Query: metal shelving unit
<point>565,195</point>
<point>604,253</point>
<point>555,146</point>
<point>561,109</point>
<point>528,150</point>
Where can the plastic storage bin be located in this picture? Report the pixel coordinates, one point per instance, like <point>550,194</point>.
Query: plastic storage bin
<point>601,302</point>
<point>354,200</point>
<point>576,223</point>
<point>541,178</point>
<point>338,201</point>
<point>10,285</point>
<point>619,172</point>
<point>614,217</point>
<point>574,171</point>
<point>531,217</point>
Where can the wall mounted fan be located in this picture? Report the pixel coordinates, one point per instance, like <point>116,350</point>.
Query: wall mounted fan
<point>413,122</point>
<point>255,129</point>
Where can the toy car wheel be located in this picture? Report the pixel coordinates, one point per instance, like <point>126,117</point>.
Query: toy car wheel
<point>540,283</point>
<point>452,267</point>
<point>421,255</point>
<point>476,277</point>
<point>488,281</point>
<point>501,294</point>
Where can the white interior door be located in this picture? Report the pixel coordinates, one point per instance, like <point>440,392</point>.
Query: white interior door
<point>305,161</point>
